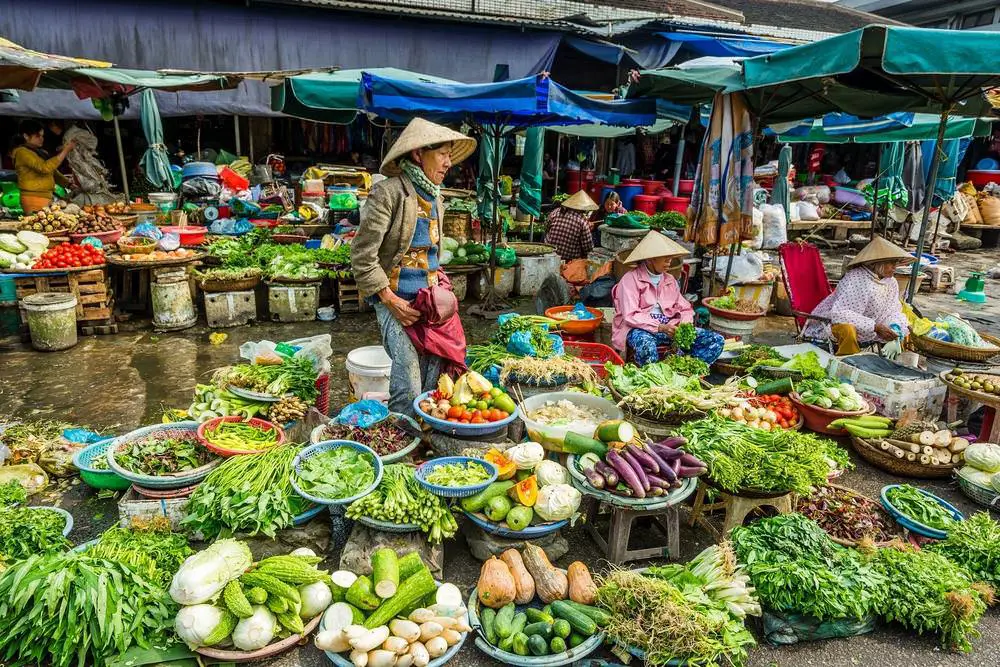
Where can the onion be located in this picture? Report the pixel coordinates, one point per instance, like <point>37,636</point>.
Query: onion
<point>764,426</point>
<point>770,416</point>
<point>738,413</point>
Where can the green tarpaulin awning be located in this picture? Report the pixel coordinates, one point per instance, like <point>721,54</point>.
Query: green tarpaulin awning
<point>924,127</point>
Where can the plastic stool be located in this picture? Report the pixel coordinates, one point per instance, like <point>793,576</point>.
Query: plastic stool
<point>736,508</point>
<point>942,277</point>
<point>615,547</point>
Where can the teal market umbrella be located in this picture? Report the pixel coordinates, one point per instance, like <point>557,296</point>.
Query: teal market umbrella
<point>491,154</point>
<point>530,194</point>
<point>155,161</point>
<point>780,194</point>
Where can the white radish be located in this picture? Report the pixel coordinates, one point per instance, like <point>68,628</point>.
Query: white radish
<point>343,578</point>
<point>463,626</point>
<point>338,616</point>
<point>420,655</point>
<point>451,611</point>
<point>380,658</point>
<point>397,645</point>
<point>405,660</point>
<point>436,647</point>
<point>448,594</point>
<point>407,630</point>
<point>372,639</point>
<point>303,551</point>
<point>430,630</point>
<point>452,637</point>
<point>422,615</point>
<point>359,658</point>
<point>958,445</point>
<point>332,640</point>
<point>446,622</point>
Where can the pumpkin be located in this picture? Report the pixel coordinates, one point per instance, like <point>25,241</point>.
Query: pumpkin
<point>551,583</point>
<point>581,585</point>
<point>505,466</point>
<point>496,587</point>
<point>526,491</point>
<point>522,579</point>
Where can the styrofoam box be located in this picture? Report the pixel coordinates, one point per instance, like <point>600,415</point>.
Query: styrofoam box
<point>894,398</point>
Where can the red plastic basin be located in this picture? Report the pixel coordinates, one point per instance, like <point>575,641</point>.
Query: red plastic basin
<point>983,177</point>
<point>645,203</point>
<point>191,235</point>
<point>685,186</point>
<point>672,203</point>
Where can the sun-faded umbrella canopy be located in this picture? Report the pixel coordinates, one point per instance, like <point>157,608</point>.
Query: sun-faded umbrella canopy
<point>22,68</point>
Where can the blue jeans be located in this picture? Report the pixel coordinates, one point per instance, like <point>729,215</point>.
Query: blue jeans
<point>412,374</point>
<point>707,345</point>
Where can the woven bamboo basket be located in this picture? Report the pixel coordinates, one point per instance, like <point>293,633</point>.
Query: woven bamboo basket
<point>945,350</point>
<point>728,370</point>
<point>457,225</point>
<point>977,492</point>
<point>889,463</point>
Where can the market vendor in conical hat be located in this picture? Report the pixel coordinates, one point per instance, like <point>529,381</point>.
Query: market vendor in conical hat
<point>865,307</point>
<point>649,306</point>
<point>396,253</point>
<point>569,227</point>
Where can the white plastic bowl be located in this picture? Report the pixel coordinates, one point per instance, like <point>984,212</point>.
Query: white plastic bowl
<point>551,437</point>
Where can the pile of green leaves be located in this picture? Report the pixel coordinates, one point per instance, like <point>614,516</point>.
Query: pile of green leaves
<point>12,493</point>
<point>151,551</point>
<point>250,493</point>
<point>26,440</point>
<point>741,457</point>
<point>926,592</point>
<point>975,545</point>
<point>796,568</point>
<point>808,364</point>
<point>690,366</point>
<point>227,273</point>
<point>295,375</point>
<point>920,507</point>
<point>25,531</point>
<point>630,378</point>
<point>753,355</point>
<point>537,326</point>
<point>482,358</point>
<point>337,473</point>
<point>667,220</point>
<point>684,335</point>
<point>63,609</point>
<point>162,456</point>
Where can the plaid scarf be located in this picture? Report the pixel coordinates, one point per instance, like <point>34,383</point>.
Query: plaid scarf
<point>419,178</point>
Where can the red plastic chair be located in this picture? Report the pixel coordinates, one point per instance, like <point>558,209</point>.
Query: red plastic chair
<point>805,280</point>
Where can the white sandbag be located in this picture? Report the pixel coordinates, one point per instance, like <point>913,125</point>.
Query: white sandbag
<point>757,229</point>
<point>793,212</point>
<point>817,194</point>
<point>747,267</point>
<point>808,211</point>
<point>775,227</point>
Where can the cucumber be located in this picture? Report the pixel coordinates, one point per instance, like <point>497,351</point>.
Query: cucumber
<point>574,443</point>
<point>541,628</point>
<point>506,644</point>
<point>409,565</point>
<point>615,430</point>
<point>600,616</point>
<point>504,624</point>
<point>780,386</point>
<point>576,639</point>
<point>557,645</point>
<point>517,625</point>
<point>385,572</point>
<point>520,643</point>
<point>487,618</point>
<point>579,621</point>
<point>537,645</point>
<point>362,595</point>
<point>477,502</point>
<point>538,615</point>
<point>561,628</point>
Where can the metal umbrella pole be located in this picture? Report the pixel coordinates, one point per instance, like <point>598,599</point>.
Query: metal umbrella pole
<point>236,126</point>
<point>679,160</point>
<point>925,217</point>
<point>121,156</point>
<point>875,200</point>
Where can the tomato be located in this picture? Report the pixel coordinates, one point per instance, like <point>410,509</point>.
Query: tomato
<point>504,414</point>
<point>783,424</point>
<point>455,412</point>
<point>478,420</point>
<point>463,421</point>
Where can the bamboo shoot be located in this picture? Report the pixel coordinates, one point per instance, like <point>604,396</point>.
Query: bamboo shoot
<point>911,457</point>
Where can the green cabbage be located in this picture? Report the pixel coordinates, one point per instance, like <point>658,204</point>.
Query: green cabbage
<point>202,576</point>
<point>195,623</point>
<point>983,456</point>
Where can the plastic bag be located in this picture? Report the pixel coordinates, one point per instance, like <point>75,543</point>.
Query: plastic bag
<point>169,242</point>
<point>775,227</point>
<point>520,343</point>
<point>230,227</point>
<point>83,435</point>
<point>807,210</point>
<point>28,475</point>
<point>580,312</point>
<point>318,348</point>
<point>506,257</point>
<point>816,194</point>
<point>756,229</point>
<point>842,177</point>
<point>784,629</point>
<point>201,187</point>
<point>362,414</point>
<point>147,230</point>
<point>746,268</point>
<point>626,221</point>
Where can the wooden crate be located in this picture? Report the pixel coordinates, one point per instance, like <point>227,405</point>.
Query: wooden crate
<point>95,302</point>
<point>349,298</point>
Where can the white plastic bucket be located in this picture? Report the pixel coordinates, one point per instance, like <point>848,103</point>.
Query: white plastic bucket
<point>368,370</point>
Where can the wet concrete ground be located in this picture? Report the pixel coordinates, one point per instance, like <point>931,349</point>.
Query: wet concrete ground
<point>125,381</point>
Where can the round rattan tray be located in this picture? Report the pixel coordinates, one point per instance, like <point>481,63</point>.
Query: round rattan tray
<point>991,400</point>
<point>944,350</point>
<point>889,463</point>
<point>217,285</point>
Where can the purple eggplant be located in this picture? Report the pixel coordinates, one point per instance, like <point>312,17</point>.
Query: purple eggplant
<point>668,474</point>
<point>691,471</point>
<point>657,482</point>
<point>692,461</point>
<point>666,453</point>
<point>595,478</point>
<point>673,442</point>
<point>626,473</point>
<point>647,461</point>
<point>637,467</point>
<point>660,461</point>
<point>675,465</point>
<point>610,476</point>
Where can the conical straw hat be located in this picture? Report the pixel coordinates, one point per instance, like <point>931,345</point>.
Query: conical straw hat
<point>421,133</point>
<point>581,201</point>
<point>880,250</point>
<point>654,244</point>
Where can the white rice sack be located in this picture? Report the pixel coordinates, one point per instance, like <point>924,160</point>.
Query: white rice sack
<point>775,227</point>
<point>808,211</point>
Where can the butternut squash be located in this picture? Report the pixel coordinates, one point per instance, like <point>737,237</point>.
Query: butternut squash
<point>581,585</point>
<point>496,587</point>
<point>551,583</point>
<point>522,580</point>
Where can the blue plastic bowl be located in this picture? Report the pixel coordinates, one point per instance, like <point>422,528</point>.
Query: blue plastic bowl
<point>308,515</point>
<point>502,530</point>
<point>911,525</point>
<point>321,447</point>
<point>93,477</point>
<point>454,491</point>
<point>451,428</point>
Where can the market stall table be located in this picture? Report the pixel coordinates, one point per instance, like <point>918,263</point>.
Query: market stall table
<point>988,234</point>
<point>841,228</point>
<point>132,280</point>
<point>990,430</point>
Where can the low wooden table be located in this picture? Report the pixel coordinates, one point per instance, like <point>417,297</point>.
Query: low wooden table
<point>841,228</point>
<point>988,234</point>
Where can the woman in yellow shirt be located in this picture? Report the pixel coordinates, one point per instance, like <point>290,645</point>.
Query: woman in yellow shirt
<point>37,173</point>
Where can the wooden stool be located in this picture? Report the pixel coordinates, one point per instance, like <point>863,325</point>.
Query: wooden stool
<point>615,547</point>
<point>736,507</point>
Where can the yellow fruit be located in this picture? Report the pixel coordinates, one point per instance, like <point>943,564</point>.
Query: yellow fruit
<point>446,386</point>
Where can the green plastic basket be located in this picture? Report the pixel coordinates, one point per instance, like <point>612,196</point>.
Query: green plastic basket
<point>98,479</point>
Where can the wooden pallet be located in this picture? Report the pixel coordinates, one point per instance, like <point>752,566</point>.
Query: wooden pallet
<point>95,301</point>
<point>349,298</point>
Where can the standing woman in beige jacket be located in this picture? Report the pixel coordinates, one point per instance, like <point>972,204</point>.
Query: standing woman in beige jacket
<point>397,249</point>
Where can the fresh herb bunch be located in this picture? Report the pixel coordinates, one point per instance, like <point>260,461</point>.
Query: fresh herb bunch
<point>796,568</point>
<point>148,548</point>
<point>384,438</point>
<point>664,403</point>
<point>227,273</point>
<point>162,456</point>
<point>64,609</point>
<point>537,326</point>
<point>630,378</point>
<point>920,507</point>
<point>250,493</point>
<point>25,531</point>
<point>926,592</point>
<point>667,220</point>
<point>336,473</point>
<point>975,545</point>
<point>458,474</point>
<point>741,457</point>
<point>684,335</point>
<point>690,366</point>
<point>482,358</point>
<point>26,440</point>
<point>758,354</point>
<point>294,375</point>
<point>400,499</point>
<point>12,493</point>
<point>846,515</point>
